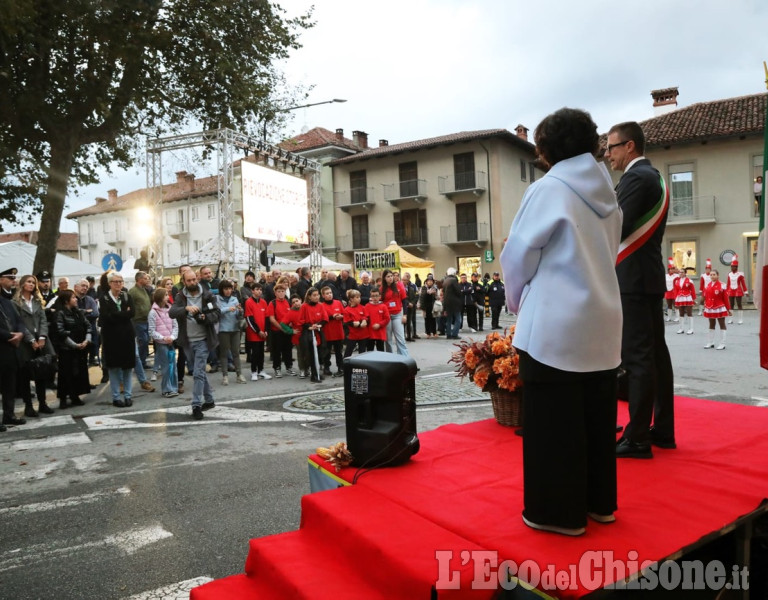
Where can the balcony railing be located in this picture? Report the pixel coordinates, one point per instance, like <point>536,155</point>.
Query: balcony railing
<point>114,237</point>
<point>415,189</point>
<point>352,242</point>
<point>178,228</point>
<point>475,182</point>
<point>466,233</point>
<point>87,239</point>
<point>354,198</point>
<point>696,209</point>
<point>409,237</point>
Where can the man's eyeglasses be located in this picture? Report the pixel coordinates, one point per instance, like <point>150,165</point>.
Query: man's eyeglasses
<point>116,281</point>
<point>612,146</point>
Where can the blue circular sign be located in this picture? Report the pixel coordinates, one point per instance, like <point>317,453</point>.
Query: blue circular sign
<point>111,262</point>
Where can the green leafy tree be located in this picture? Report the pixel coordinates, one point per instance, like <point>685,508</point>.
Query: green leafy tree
<point>80,80</point>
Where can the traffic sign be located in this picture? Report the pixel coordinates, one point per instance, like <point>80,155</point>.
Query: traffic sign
<point>111,262</point>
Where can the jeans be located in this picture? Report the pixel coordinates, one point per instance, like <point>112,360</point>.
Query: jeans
<point>396,333</point>
<point>199,358</point>
<point>453,326</point>
<point>142,340</point>
<point>118,376</point>
<point>229,340</point>
<point>165,362</point>
<point>139,367</point>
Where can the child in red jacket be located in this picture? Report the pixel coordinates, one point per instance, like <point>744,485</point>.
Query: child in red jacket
<point>312,319</point>
<point>356,318</point>
<point>334,332</point>
<point>256,332</point>
<point>293,319</point>
<point>716,308</point>
<point>378,318</point>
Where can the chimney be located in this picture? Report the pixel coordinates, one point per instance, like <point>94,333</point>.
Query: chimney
<point>99,200</point>
<point>522,132</point>
<point>339,135</point>
<point>180,176</point>
<point>383,143</point>
<point>112,195</point>
<point>664,101</point>
<point>189,182</point>
<point>360,138</point>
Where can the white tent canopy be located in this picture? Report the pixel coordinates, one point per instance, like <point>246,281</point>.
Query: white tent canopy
<point>209,255</point>
<point>22,256</point>
<point>325,263</point>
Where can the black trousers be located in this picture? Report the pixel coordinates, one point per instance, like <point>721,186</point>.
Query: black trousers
<point>495,312</point>
<point>410,321</point>
<point>569,443</point>
<point>282,349</point>
<point>257,356</point>
<point>480,315</point>
<point>8,390</point>
<point>376,345</point>
<point>645,358</point>
<point>471,311</point>
<point>361,345</point>
<point>335,347</point>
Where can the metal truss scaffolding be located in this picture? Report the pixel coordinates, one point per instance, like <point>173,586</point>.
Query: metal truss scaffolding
<point>224,142</point>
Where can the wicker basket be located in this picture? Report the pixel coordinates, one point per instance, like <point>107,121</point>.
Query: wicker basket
<point>508,407</point>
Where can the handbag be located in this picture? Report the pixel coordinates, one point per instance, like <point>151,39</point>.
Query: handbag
<point>42,367</point>
<point>437,309</point>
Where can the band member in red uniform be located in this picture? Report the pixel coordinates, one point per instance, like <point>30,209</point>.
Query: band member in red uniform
<point>671,277</point>
<point>684,301</point>
<point>715,308</point>
<point>703,283</point>
<point>737,289</point>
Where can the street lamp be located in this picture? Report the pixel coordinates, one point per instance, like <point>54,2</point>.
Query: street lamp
<point>280,110</point>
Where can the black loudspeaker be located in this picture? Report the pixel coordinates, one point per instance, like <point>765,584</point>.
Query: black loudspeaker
<point>380,408</point>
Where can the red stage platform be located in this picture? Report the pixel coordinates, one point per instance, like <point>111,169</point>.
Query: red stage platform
<point>410,531</point>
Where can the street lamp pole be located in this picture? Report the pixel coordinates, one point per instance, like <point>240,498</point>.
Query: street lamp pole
<point>280,110</point>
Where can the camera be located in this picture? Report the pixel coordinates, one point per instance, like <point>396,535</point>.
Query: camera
<point>199,317</point>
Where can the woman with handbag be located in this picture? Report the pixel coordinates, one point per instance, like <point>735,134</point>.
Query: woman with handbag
<point>72,338</point>
<point>36,347</point>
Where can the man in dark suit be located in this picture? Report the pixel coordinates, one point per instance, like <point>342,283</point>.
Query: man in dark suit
<point>640,269</point>
<point>12,331</point>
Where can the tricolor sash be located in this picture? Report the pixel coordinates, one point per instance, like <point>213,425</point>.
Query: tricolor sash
<point>646,225</point>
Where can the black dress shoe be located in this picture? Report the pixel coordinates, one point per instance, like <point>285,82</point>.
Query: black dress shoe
<point>45,409</point>
<point>662,441</point>
<point>208,405</point>
<point>118,403</point>
<point>619,428</point>
<point>30,412</point>
<point>627,449</point>
<point>13,420</point>
<point>128,402</point>
<point>76,402</point>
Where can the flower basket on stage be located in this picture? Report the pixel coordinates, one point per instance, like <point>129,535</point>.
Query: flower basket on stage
<point>493,366</point>
<point>508,407</point>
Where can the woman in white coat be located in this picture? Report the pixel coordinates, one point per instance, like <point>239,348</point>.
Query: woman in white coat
<point>559,269</point>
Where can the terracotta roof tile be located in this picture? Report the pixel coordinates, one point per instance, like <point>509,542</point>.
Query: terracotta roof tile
<point>172,192</point>
<point>316,138</point>
<point>67,241</point>
<point>732,117</point>
<point>453,138</point>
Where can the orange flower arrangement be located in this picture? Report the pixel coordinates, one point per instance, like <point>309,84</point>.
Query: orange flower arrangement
<point>490,364</point>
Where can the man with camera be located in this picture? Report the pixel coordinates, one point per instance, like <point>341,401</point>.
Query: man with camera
<point>197,311</point>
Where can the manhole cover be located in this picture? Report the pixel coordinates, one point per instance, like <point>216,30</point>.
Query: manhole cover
<point>328,403</point>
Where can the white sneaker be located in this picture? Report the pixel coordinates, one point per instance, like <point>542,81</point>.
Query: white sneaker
<point>302,374</point>
<point>680,330</point>
<point>473,330</point>
<point>278,373</point>
<point>729,321</point>
<point>555,528</point>
<point>255,376</point>
<point>689,332</point>
<point>667,319</point>
<point>720,347</point>
<point>740,322</point>
<point>709,345</point>
<point>265,375</point>
<point>225,380</point>
<point>154,376</point>
<point>676,320</point>
<point>291,372</point>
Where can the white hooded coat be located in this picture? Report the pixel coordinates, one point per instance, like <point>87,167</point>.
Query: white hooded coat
<point>559,268</point>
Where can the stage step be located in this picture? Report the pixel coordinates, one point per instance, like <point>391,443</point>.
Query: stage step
<point>238,587</point>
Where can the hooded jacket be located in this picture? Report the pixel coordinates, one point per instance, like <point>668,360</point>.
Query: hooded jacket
<point>559,268</point>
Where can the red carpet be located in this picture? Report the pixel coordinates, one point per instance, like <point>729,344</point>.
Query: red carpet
<point>463,491</point>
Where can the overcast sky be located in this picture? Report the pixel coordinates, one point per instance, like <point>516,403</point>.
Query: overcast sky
<point>413,69</point>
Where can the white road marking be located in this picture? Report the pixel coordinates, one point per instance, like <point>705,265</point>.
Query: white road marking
<point>46,422</point>
<point>56,441</point>
<point>175,591</point>
<point>88,462</point>
<point>218,415</point>
<point>63,503</point>
<point>127,542</point>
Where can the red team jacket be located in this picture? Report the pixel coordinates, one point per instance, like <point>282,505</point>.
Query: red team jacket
<point>357,313</point>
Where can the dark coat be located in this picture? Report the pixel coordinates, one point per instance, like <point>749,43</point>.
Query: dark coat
<point>427,300</point>
<point>302,286</point>
<point>452,298</point>
<point>642,272</point>
<point>179,312</point>
<point>10,321</point>
<point>36,322</point>
<point>365,292</point>
<point>496,294</point>
<point>118,338</point>
<point>70,324</point>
